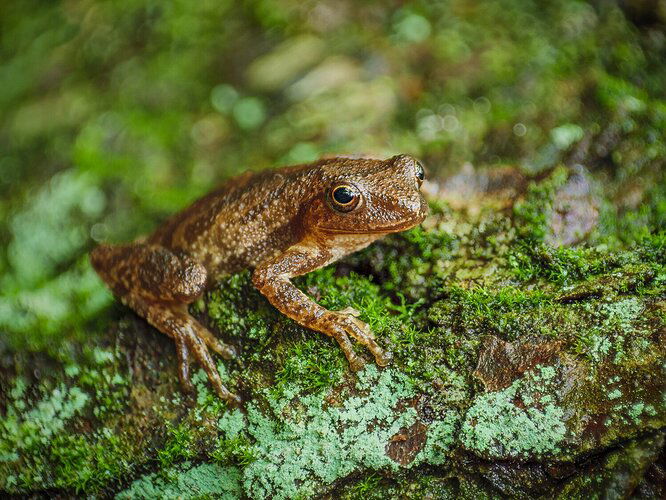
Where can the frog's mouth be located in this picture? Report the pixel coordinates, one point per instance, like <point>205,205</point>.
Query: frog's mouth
<point>394,228</point>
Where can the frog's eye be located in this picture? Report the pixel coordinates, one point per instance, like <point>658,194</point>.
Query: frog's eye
<point>420,172</point>
<point>345,197</point>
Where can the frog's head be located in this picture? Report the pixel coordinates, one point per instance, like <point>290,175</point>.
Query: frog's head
<point>367,196</point>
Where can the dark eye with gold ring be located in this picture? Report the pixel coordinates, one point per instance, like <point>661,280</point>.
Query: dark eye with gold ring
<point>345,197</point>
<point>420,172</point>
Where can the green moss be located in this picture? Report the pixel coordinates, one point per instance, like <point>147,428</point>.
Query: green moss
<point>238,309</point>
<point>25,429</point>
<point>401,262</point>
<point>313,365</point>
<point>533,212</point>
<point>366,488</point>
<point>89,465</point>
<point>562,265</point>
<point>483,306</point>
<point>50,292</point>
<point>178,446</point>
<point>45,444</point>
<point>38,449</point>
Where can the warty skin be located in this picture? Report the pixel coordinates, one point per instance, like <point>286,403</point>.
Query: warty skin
<point>280,223</point>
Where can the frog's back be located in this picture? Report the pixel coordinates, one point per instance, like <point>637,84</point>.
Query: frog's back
<point>243,222</point>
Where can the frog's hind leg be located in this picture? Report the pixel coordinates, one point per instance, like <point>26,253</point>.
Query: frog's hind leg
<point>191,338</point>
<point>158,284</point>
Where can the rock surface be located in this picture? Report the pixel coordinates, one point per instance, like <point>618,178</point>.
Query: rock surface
<point>521,368</point>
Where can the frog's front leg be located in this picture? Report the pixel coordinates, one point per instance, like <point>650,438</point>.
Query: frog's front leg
<point>158,284</point>
<point>272,279</point>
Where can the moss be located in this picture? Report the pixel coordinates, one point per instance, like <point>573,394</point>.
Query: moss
<point>533,212</point>
<point>401,263</point>
<point>238,309</point>
<point>312,364</point>
<point>365,488</point>
<point>177,448</point>
<point>40,450</point>
<point>563,266</point>
<point>50,292</point>
<point>45,444</point>
<point>88,465</point>
<point>491,310</point>
<point>24,429</point>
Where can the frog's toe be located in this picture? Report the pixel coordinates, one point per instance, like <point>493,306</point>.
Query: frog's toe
<point>351,311</point>
<point>384,358</point>
<point>197,346</point>
<point>356,363</point>
<point>225,350</point>
<point>184,366</point>
<point>362,333</point>
<point>232,399</point>
<point>364,327</point>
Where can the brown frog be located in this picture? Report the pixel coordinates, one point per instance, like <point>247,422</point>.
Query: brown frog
<point>280,223</point>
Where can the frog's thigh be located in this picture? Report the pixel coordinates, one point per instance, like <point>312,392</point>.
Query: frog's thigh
<point>150,271</point>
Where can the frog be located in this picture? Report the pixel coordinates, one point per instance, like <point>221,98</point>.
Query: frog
<point>278,223</point>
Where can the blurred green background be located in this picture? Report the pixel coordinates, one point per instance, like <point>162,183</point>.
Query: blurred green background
<point>115,114</point>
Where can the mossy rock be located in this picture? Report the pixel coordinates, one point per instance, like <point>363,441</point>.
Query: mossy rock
<point>521,368</point>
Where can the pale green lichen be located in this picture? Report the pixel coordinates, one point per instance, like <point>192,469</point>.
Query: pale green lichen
<point>615,394</point>
<point>232,423</point>
<point>302,445</point>
<point>441,436</point>
<point>23,429</point>
<point>46,292</point>
<point>202,481</point>
<point>496,426</point>
<point>623,313</point>
<point>618,331</point>
<point>46,444</point>
<point>314,444</point>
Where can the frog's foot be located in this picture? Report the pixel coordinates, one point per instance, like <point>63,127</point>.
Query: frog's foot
<point>190,338</point>
<point>197,345</point>
<point>343,324</point>
<point>272,279</point>
<point>159,284</point>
